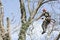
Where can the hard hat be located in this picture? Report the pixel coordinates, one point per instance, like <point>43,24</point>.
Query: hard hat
<point>44,10</point>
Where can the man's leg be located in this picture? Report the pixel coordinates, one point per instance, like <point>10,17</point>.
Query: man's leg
<point>44,26</point>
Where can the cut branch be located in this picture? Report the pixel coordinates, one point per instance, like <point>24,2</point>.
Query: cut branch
<point>8,30</point>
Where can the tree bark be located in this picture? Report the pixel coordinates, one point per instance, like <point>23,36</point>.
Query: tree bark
<point>22,34</point>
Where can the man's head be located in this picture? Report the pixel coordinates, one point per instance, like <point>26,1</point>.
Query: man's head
<point>44,10</point>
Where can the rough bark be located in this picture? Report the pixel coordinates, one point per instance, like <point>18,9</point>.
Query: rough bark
<point>23,21</point>
<point>22,34</point>
<point>23,12</point>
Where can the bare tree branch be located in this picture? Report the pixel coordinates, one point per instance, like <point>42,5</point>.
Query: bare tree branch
<point>8,30</point>
<point>23,11</point>
<point>38,6</point>
<point>29,7</point>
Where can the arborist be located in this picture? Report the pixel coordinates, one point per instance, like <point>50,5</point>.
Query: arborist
<point>46,21</point>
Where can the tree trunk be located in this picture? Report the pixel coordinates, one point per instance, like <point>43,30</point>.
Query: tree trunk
<point>22,34</point>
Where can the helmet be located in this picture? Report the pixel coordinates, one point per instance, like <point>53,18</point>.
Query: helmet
<point>44,10</point>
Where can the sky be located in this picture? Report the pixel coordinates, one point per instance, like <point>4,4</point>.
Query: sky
<point>11,9</point>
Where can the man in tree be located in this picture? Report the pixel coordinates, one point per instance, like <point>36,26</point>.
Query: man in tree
<point>46,21</point>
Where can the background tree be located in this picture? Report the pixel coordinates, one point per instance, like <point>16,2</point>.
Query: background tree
<point>4,35</point>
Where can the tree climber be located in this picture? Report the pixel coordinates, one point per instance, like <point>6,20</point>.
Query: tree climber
<point>46,21</point>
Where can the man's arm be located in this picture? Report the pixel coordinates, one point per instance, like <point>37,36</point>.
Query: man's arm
<point>40,16</point>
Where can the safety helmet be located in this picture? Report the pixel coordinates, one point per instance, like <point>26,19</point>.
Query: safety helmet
<point>44,10</point>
